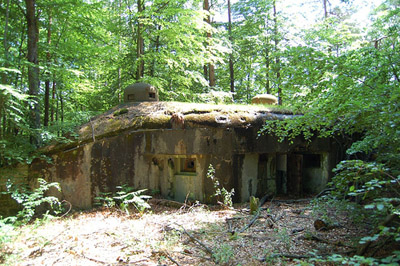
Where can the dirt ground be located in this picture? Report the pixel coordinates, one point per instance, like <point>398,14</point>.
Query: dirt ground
<point>190,235</point>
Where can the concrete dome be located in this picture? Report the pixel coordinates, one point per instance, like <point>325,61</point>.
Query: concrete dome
<point>264,99</point>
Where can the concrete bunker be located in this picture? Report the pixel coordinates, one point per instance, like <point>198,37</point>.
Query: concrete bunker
<point>143,149</point>
<point>140,92</point>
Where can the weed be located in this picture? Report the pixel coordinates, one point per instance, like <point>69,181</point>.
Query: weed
<point>284,237</point>
<point>31,200</point>
<point>223,254</point>
<point>124,198</point>
<point>220,191</point>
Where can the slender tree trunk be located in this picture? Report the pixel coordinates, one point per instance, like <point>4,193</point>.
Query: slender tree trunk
<point>156,48</point>
<point>4,123</point>
<point>248,87</point>
<point>33,69</point>
<point>211,69</point>
<point>5,36</point>
<point>325,3</point>
<point>57,107</point>
<point>277,60</point>
<point>4,79</point>
<point>119,89</point>
<point>61,107</point>
<point>212,75</point>
<point>231,70</point>
<point>53,98</point>
<point>47,82</point>
<point>140,42</point>
<point>267,65</point>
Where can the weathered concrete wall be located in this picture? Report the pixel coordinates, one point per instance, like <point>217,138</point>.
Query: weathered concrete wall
<point>174,160</point>
<point>249,176</point>
<point>315,178</point>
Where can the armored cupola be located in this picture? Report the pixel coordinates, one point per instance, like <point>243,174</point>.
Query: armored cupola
<point>264,99</point>
<point>140,92</point>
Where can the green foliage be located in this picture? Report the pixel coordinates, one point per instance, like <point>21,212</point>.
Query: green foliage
<point>124,198</point>
<point>220,192</point>
<point>372,183</point>
<point>284,238</point>
<point>32,200</point>
<point>215,97</point>
<point>223,254</point>
<point>346,88</point>
<point>254,205</point>
<point>393,260</point>
<point>359,178</point>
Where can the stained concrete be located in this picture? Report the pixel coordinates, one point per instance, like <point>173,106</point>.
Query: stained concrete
<point>141,148</point>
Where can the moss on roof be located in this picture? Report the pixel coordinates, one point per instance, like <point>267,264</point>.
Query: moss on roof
<point>157,115</point>
<point>150,115</point>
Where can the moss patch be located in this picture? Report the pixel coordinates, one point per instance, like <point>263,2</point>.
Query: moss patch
<point>121,112</point>
<point>157,115</point>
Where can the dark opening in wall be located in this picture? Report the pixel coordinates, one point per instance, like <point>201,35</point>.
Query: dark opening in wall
<point>131,97</point>
<point>152,95</point>
<point>312,160</point>
<point>188,165</point>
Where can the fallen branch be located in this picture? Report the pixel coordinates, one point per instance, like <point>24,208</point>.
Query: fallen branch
<point>326,241</point>
<point>250,223</point>
<point>171,259</point>
<point>207,249</point>
<point>264,199</point>
<point>297,230</point>
<point>166,254</point>
<point>194,255</point>
<point>291,256</point>
<point>91,259</point>
<point>70,207</point>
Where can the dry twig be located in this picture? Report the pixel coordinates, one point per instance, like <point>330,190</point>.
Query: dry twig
<point>207,249</point>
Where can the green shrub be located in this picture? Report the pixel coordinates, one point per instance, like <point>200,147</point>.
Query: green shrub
<point>220,191</point>
<point>31,200</point>
<point>124,198</point>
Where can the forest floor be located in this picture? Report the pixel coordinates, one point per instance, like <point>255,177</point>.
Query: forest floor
<point>283,233</point>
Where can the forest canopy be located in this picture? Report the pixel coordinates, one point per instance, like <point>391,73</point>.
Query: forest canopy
<point>64,61</point>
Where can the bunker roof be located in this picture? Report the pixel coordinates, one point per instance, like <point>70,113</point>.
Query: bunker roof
<point>161,115</point>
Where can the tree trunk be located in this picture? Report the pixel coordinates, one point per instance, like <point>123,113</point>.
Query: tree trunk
<point>157,48</point>
<point>140,42</point>
<point>5,40</point>
<point>47,82</point>
<point>267,65</point>
<point>211,70</point>
<point>4,74</point>
<point>33,69</point>
<point>277,60</point>
<point>231,71</point>
<point>325,9</point>
<point>206,72</point>
<point>61,107</point>
<point>53,97</point>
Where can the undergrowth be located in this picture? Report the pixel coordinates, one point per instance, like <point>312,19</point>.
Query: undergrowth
<point>34,204</point>
<point>125,198</point>
<point>367,193</point>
